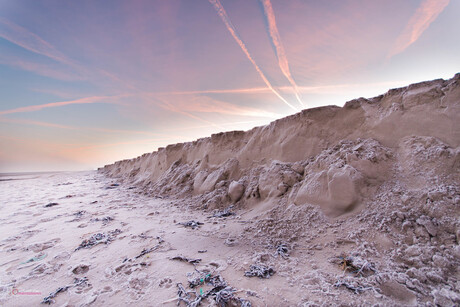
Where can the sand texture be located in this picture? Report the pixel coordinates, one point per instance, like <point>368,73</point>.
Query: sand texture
<point>348,206</point>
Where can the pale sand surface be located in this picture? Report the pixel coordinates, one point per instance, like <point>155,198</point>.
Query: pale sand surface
<point>29,229</point>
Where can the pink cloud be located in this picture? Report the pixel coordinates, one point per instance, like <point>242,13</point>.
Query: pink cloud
<point>204,104</point>
<point>419,22</point>
<point>87,100</point>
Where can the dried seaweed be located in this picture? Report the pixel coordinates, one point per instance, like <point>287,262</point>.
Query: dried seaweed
<point>192,224</point>
<point>224,213</point>
<point>220,291</point>
<point>51,205</point>
<point>77,282</point>
<point>99,238</point>
<point>282,250</point>
<point>185,259</point>
<point>355,287</point>
<point>149,250</point>
<point>356,265</point>
<point>259,270</point>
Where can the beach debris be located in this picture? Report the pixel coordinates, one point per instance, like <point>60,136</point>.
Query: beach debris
<point>282,249</point>
<point>105,220</point>
<point>224,213</point>
<point>93,202</point>
<point>77,282</point>
<point>192,224</point>
<point>222,294</point>
<point>185,259</point>
<point>352,286</point>
<point>145,251</point>
<point>39,257</point>
<point>99,238</point>
<point>227,295</point>
<point>78,215</point>
<point>355,265</point>
<point>259,270</point>
<point>202,251</point>
<point>51,205</point>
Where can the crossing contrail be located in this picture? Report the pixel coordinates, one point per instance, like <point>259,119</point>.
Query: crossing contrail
<point>223,15</point>
<point>278,45</point>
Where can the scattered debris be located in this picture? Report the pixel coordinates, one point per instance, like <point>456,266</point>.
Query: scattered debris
<point>105,220</point>
<point>93,202</point>
<point>184,296</point>
<point>39,257</point>
<point>260,271</point>
<point>223,294</point>
<point>282,249</point>
<point>149,250</point>
<point>51,205</point>
<point>185,259</point>
<point>355,287</point>
<point>144,236</point>
<point>192,224</point>
<point>356,265</point>
<point>224,213</point>
<point>99,238</point>
<point>203,251</point>
<point>77,282</point>
<point>78,215</point>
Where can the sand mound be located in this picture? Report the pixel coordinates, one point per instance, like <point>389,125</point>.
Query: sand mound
<point>384,170</point>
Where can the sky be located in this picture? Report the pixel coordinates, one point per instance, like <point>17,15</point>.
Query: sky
<point>86,83</point>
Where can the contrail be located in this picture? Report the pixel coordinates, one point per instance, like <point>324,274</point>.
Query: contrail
<point>278,45</point>
<point>87,100</point>
<point>223,15</point>
<point>419,22</point>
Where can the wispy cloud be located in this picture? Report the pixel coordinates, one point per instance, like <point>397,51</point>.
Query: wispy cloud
<point>39,69</point>
<point>278,45</point>
<point>36,123</point>
<point>94,129</point>
<point>254,90</point>
<point>205,104</point>
<point>228,24</point>
<point>87,100</point>
<point>30,41</point>
<point>419,22</point>
<point>168,106</point>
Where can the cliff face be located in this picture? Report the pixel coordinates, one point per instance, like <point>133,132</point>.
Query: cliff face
<point>271,161</point>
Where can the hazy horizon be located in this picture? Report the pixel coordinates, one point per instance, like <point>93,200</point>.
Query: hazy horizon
<point>83,84</point>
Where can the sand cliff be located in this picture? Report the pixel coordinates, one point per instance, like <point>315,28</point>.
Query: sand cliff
<point>328,156</point>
